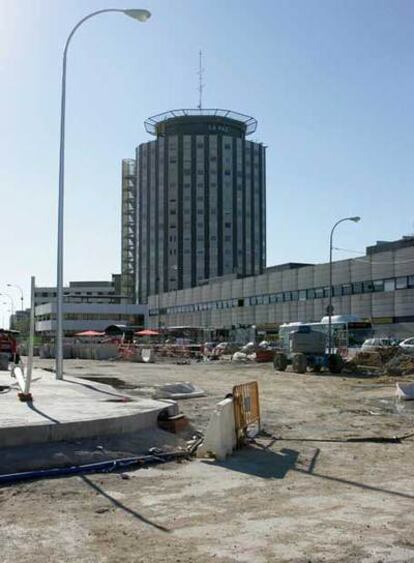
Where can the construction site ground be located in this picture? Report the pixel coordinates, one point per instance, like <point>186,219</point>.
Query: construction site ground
<point>302,492</point>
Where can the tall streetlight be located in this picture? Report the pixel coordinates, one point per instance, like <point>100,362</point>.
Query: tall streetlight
<point>11,301</point>
<point>330,308</point>
<point>142,16</point>
<point>21,293</point>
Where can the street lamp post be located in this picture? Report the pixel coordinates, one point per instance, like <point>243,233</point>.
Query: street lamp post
<point>21,293</point>
<point>142,16</point>
<point>330,308</point>
<point>11,301</point>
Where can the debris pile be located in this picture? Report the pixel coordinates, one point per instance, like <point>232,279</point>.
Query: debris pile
<point>400,364</point>
<point>390,361</point>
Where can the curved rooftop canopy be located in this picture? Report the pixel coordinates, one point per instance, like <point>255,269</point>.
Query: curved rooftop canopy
<point>249,123</point>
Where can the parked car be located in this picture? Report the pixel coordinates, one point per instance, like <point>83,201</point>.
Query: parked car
<point>408,345</point>
<point>373,344</point>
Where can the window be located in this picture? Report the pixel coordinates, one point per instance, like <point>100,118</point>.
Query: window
<point>368,287</point>
<point>318,292</point>
<point>357,288</point>
<point>287,296</point>
<point>389,285</point>
<point>410,281</point>
<point>295,295</point>
<point>311,294</point>
<point>378,285</point>
<point>401,282</point>
<point>273,298</point>
<point>337,290</point>
<point>347,289</point>
<point>265,299</point>
<point>302,295</point>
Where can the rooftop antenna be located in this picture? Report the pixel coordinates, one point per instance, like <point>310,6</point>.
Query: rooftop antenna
<point>200,79</point>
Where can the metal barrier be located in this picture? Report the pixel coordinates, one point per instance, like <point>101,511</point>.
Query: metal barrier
<point>246,408</point>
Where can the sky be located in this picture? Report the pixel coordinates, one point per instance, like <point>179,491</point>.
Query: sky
<point>330,82</point>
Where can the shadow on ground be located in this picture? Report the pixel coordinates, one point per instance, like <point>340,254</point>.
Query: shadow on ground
<point>259,462</point>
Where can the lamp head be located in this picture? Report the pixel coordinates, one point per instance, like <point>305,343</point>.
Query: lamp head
<point>355,219</point>
<point>140,15</point>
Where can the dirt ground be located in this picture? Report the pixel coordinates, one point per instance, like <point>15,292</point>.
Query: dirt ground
<point>301,493</point>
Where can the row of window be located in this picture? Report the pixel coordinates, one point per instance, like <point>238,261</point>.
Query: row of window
<point>355,288</point>
<point>70,293</point>
<point>133,319</point>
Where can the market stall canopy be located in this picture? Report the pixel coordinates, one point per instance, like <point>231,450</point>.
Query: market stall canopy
<point>90,333</point>
<point>147,332</point>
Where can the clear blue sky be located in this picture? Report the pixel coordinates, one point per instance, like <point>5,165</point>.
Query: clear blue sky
<point>330,82</point>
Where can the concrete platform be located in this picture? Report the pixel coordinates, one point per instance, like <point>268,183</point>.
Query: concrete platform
<point>71,409</point>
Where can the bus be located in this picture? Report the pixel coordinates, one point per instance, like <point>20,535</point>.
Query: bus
<point>348,331</point>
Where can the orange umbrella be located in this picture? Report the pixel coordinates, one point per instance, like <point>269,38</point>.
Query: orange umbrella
<point>90,333</point>
<point>147,332</point>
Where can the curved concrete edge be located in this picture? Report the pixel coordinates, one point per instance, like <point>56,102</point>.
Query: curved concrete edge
<point>69,431</point>
<point>72,409</point>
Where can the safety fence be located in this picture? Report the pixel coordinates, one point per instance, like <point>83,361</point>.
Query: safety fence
<point>246,408</point>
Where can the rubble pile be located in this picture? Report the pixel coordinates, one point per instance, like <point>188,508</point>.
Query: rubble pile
<point>389,361</point>
<point>400,364</point>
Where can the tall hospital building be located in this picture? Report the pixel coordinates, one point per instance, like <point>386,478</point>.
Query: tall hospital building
<point>193,203</point>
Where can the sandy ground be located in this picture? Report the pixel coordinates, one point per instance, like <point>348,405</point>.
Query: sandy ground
<point>301,493</point>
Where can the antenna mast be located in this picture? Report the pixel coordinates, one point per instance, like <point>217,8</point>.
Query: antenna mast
<point>200,80</point>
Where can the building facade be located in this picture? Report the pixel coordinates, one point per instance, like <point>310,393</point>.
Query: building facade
<point>196,209</point>
<point>84,292</point>
<point>378,287</point>
<point>79,317</point>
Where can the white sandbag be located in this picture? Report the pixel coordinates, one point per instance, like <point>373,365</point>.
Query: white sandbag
<point>405,391</point>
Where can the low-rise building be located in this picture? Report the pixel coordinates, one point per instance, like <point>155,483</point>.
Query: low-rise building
<point>79,317</point>
<point>84,292</point>
<point>378,286</point>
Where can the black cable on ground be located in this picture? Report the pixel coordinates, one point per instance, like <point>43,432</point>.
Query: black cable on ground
<point>97,467</point>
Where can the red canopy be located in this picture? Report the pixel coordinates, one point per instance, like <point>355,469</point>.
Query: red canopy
<point>147,332</point>
<point>90,333</point>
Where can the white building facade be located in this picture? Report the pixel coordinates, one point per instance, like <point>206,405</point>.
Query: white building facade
<point>78,317</point>
<point>378,287</point>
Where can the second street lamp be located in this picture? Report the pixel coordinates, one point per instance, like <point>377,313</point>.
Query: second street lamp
<point>139,15</point>
<point>21,293</point>
<point>330,308</point>
<point>11,301</point>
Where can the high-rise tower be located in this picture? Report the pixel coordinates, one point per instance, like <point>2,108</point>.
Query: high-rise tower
<point>195,208</point>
